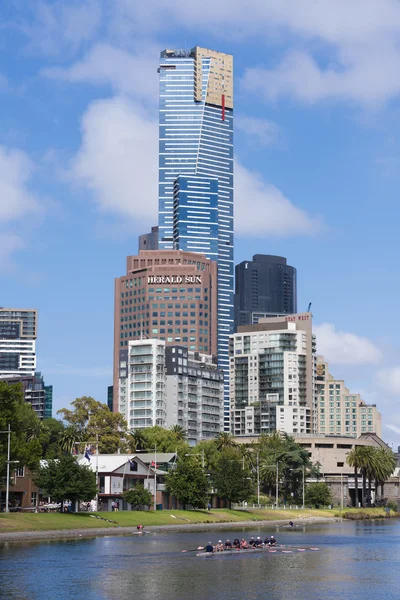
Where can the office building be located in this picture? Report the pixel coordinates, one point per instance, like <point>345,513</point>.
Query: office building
<point>339,411</point>
<point>265,286</point>
<point>110,397</point>
<point>169,295</point>
<point>196,168</point>
<point>149,241</point>
<point>18,332</point>
<point>36,393</point>
<point>164,386</point>
<point>272,368</point>
<point>194,393</point>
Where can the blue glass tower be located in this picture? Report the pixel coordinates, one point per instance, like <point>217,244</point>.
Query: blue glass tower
<point>196,165</point>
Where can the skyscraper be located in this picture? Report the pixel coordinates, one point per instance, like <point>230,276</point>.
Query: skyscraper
<point>17,342</point>
<point>149,241</point>
<point>196,168</point>
<point>265,286</point>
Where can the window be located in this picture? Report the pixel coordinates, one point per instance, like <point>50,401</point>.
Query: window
<point>19,471</point>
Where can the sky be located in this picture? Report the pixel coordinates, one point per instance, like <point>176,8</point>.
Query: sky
<point>317,168</point>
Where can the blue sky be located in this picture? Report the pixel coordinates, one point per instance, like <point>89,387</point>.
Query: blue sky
<point>317,167</point>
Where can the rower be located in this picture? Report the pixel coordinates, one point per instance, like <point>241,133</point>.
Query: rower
<point>209,547</point>
<point>252,542</point>
<point>228,544</point>
<point>219,547</point>
<point>291,523</point>
<point>272,541</point>
<point>243,544</point>
<point>258,542</point>
<point>236,543</point>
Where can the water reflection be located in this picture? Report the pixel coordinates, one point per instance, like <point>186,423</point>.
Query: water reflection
<point>355,560</point>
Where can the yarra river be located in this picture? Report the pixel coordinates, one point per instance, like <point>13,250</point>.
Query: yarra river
<point>355,560</point>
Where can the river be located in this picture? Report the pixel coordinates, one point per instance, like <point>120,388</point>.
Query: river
<point>355,560</point>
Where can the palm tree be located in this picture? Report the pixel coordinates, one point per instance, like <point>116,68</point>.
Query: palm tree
<point>355,460</point>
<point>179,432</point>
<point>136,440</point>
<point>384,465</point>
<point>224,440</point>
<point>68,437</point>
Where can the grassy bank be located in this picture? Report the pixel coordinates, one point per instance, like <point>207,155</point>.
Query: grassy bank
<point>57,521</point>
<point>361,514</point>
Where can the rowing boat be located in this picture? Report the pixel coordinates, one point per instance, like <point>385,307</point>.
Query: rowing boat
<point>266,549</point>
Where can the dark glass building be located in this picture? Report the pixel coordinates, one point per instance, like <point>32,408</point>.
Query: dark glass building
<point>265,286</point>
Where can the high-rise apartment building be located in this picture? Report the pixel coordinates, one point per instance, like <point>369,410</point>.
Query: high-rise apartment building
<point>169,295</point>
<point>265,286</point>
<point>194,393</point>
<point>272,367</point>
<point>160,385</point>
<point>339,411</point>
<point>18,332</point>
<point>36,393</point>
<point>196,168</point>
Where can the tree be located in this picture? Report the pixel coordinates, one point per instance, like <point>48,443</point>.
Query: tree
<point>165,440</point>
<point>179,432</point>
<point>232,482</point>
<point>65,479</point>
<point>68,437</point>
<point>49,437</point>
<point>385,464</point>
<point>138,497</point>
<point>355,459</point>
<point>318,494</point>
<point>188,483</point>
<point>25,445</point>
<point>95,419</point>
<point>136,440</point>
<point>224,440</point>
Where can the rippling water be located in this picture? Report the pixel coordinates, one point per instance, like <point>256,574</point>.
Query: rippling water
<point>355,560</point>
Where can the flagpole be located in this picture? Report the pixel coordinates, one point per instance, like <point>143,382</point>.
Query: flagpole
<point>97,472</point>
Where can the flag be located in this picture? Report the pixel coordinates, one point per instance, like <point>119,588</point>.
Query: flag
<point>87,453</point>
<point>153,464</point>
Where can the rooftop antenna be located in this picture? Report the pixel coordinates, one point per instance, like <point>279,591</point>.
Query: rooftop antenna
<point>309,307</point>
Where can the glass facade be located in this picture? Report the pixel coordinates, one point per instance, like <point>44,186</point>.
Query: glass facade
<point>196,145</point>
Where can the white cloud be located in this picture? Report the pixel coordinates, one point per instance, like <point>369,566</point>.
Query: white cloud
<point>61,26</point>
<point>393,428</point>
<point>270,211</point>
<point>343,348</point>
<point>389,380</point>
<point>357,40</point>
<point>262,131</point>
<point>126,73</point>
<point>117,160</point>
<point>16,199</point>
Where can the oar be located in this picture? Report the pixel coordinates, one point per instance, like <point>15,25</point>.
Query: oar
<point>194,549</point>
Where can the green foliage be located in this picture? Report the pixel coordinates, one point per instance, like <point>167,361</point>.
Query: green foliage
<point>65,479</point>
<point>232,482</point>
<point>392,505</point>
<point>179,432</point>
<point>138,497</point>
<point>94,419</point>
<point>318,494</point>
<point>224,440</point>
<point>136,440</point>
<point>166,440</point>
<point>25,428</point>
<point>188,483</point>
<point>49,437</point>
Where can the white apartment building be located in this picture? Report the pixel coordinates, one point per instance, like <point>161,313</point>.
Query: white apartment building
<point>17,342</point>
<point>194,393</point>
<point>272,366</point>
<point>170,385</point>
<point>141,383</point>
<point>339,411</point>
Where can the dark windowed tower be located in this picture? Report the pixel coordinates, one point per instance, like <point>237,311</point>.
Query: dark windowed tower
<point>265,286</point>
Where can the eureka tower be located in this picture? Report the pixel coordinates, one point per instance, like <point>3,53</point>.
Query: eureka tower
<point>196,170</point>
